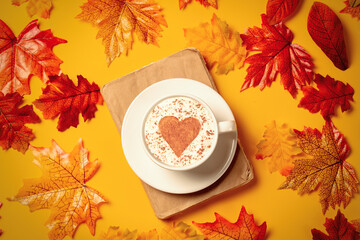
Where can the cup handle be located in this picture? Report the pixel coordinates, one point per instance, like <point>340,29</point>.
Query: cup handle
<point>226,126</point>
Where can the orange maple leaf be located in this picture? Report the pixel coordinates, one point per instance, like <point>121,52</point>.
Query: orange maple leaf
<point>179,231</point>
<point>244,228</point>
<point>327,169</point>
<point>117,20</point>
<point>116,233</point>
<point>205,3</point>
<point>63,189</point>
<point>279,146</point>
<point>219,44</point>
<point>353,10</point>
<point>41,7</point>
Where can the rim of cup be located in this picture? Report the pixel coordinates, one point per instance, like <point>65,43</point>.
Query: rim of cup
<point>190,166</point>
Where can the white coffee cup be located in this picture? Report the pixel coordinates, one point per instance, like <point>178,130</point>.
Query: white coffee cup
<point>195,153</point>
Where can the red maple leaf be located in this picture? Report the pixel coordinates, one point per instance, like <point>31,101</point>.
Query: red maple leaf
<point>277,55</point>
<point>62,97</point>
<point>13,132</point>
<point>326,30</point>
<point>331,93</point>
<point>28,54</point>
<point>278,10</point>
<point>338,229</point>
<point>244,228</point>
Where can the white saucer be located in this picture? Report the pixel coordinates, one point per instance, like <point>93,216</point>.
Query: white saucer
<point>179,182</point>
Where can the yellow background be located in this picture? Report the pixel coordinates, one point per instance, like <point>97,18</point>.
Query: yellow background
<point>287,214</point>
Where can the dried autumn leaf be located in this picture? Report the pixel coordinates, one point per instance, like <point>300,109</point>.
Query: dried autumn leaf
<point>278,10</point>
<point>13,132</point>
<point>114,233</point>
<point>180,230</point>
<point>326,170</point>
<point>28,54</point>
<point>331,93</point>
<point>41,7</point>
<point>279,146</point>
<point>118,20</point>
<point>353,10</point>
<point>338,229</point>
<point>62,97</point>
<point>244,228</point>
<point>326,30</point>
<point>205,3</point>
<point>277,55</point>
<point>218,43</point>
<point>63,189</point>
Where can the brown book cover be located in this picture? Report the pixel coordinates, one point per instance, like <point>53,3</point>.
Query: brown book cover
<point>119,94</point>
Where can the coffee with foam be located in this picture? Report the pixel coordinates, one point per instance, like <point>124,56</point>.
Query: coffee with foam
<point>180,131</point>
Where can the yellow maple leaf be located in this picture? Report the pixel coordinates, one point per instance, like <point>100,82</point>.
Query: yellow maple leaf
<point>326,169</point>
<point>115,233</point>
<point>63,189</point>
<point>118,20</point>
<point>279,147</point>
<point>41,7</point>
<point>219,44</point>
<point>180,230</point>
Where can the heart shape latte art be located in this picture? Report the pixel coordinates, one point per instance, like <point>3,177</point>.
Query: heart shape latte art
<point>179,134</point>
